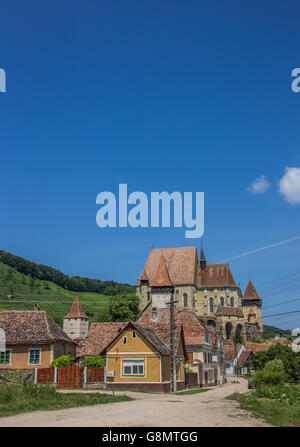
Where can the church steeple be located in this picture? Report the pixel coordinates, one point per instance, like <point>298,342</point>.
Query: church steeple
<point>202,258</point>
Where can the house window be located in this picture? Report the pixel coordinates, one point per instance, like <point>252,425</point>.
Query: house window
<point>232,301</point>
<point>5,357</point>
<point>133,367</point>
<point>125,341</point>
<point>222,301</point>
<point>211,304</point>
<point>185,300</point>
<point>133,334</point>
<point>34,356</point>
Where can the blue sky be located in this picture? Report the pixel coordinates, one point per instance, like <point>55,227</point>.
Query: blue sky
<point>161,95</point>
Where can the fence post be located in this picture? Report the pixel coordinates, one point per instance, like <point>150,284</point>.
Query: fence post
<point>105,380</point>
<point>85,375</point>
<point>35,376</point>
<point>55,375</point>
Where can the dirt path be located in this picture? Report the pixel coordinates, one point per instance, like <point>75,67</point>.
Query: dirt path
<point>209,409</point>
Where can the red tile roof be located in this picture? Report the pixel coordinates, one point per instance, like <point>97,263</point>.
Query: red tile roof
<point>34,327</point>
<point>144,276</point>
<point>99,336</point>
<point>181,263</point>
<point>243,358</point>
<point>228,311</point>
<point>184,317</point>
<point>250,292</point>
<point>215,275</point>
<point>76,310</point>
<point>183,268</point>
<point>162,278</point>
<point>257,347</point>
<point>231,351</point>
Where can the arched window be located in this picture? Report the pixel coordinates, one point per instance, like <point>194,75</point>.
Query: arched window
<point>211,323</point>
<point>211,304</point>
<point>228,330</point>
<point>232,301</point>
<point>222,301</point>
<point>185,300</point>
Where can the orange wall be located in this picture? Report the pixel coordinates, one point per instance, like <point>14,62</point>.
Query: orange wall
<point>19,355</point>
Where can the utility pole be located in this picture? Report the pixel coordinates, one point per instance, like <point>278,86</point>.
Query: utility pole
<point>172,342</point>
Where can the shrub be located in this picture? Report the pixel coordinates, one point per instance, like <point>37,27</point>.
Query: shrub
<point>275,365</point>
<point>286,394</point>
<point>267,377</point>
<point>62,361</point>
<point>93,360</point>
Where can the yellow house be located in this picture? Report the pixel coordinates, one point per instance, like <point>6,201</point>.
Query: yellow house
<point>138,358</point>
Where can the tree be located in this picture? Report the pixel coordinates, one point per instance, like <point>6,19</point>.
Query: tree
<point>238,337</point>
<point>62,361</point>
<point>124,308</point>
<point>93,360</point>
<point>289,358</point>
<point>104,316</point>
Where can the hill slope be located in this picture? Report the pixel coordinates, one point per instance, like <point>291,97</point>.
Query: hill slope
<point>75,283</point>
<point>25,292</point>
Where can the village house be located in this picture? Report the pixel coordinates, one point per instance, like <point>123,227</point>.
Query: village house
<point>137,356</point>
<point>203,346</point>
<point>239,358</point>
<point>32,340</point>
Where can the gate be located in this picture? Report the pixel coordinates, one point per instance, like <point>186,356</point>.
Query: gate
<point>45,375</point>
<point>70,377</point>
<point>95,374</point>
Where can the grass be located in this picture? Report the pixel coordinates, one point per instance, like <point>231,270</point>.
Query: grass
<point>25,398</point>
<point>275,413</point>
<point>192,390</point>
<point>51,297</point>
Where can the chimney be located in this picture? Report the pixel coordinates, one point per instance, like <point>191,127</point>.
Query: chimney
<point>154,314</point>
<point>36,307</point>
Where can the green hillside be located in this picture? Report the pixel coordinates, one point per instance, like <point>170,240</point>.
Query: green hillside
<point>26,291</point>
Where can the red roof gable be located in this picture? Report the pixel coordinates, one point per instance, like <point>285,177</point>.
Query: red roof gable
<point>76,310</point>
<point>250,292</point>
<point>162,278</point>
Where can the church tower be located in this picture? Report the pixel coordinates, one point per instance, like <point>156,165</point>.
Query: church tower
<point>251,304</point>
<point>76,322</point>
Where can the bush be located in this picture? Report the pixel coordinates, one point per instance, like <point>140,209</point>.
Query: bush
<point>286,394</point>
<point>275,365</point>
<point>62,361</point>
<point>93,360</point>
<point>267,377</point>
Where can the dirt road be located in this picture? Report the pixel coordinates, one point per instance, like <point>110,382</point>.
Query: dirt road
<point>209,409</point>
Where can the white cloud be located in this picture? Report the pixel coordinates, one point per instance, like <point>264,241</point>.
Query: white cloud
<point>259,186</point>
<point>289,185</point>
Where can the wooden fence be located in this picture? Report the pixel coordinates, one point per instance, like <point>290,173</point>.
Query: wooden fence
<point>70,376</point>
